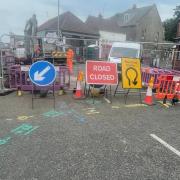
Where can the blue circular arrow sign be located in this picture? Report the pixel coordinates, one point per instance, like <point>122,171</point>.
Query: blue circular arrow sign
<point>42,73</point>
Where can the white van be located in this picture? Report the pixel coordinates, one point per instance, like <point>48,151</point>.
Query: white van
<point>124,49</point>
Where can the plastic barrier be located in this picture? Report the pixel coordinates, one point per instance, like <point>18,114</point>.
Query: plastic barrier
<point>148,72</point>
<point>19,78</point>
<point>176,72</point>
<point>168,87</point>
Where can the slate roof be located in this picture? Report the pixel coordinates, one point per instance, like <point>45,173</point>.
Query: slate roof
<point>68,22</point>
<point>99,23</point>
<point>135,15</point>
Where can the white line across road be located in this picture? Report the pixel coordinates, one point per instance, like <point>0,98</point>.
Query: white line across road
<point>165,144</point>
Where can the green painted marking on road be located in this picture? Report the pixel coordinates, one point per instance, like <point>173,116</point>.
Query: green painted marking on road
<point>53,113</point>
<point>65,111</point>
<point>4,140</point>
<point>24,129</point>
<point>35,127</point>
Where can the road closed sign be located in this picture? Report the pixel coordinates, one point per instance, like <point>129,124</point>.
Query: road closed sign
<point>101,72</point>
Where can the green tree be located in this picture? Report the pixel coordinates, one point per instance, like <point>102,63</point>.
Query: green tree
<point>177,12</point>
<point>170,25</point>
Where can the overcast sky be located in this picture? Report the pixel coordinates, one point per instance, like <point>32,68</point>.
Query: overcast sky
<point>15,13</point>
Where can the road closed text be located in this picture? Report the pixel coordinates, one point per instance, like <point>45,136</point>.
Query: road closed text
<point>101,72</point>
<point>101,77</point>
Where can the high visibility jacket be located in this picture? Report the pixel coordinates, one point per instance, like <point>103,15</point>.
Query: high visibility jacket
<point>70,54</point>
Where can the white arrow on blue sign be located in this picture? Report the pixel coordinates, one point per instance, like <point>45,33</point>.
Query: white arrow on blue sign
<point>42,73</point>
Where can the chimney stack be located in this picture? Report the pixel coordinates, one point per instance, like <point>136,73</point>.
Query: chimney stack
<point>100,16</point>
<point>134,6</point>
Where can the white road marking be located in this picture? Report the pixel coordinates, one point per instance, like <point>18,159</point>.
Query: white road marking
<point>165,144</point>
<point>107,100</point>
<point>136,105</point>
<point>93,113</point>
<point>9,119</point>
<point>115,107</point>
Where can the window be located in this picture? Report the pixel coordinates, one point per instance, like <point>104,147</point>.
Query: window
<point>126,17</point>
<point>178,54</point>
<point>156,38</point>
<point>124,52</point>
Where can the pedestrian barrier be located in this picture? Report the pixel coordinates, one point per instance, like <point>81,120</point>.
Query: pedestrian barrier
<point>19,78</point>
<point>168,87</point>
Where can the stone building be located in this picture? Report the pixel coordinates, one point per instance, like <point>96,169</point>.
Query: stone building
<point>136,24</point>
<point>139,24</point>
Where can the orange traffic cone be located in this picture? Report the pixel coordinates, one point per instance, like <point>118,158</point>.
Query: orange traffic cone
<point>79,92</point>
<point>149,95</point>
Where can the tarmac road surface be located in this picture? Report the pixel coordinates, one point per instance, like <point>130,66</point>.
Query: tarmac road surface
<point>82,141</point>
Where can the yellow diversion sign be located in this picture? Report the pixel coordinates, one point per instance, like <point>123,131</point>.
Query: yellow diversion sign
<point>131,73</point>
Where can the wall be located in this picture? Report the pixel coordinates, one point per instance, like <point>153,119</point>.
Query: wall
<point>106,40</point>
<point>150,25</point>
<point>130,32</point>
<point>110,36</point>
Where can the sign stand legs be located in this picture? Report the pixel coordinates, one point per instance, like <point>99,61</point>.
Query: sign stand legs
<point>140,97</point>
<point>34,95</point>
<point>106,94</point>
<point>32,92</point>
<point>116,89</point>
<point>110,94</point>
<point>93,93</point>
<point>127,93</point>
<point>54,99</point>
